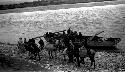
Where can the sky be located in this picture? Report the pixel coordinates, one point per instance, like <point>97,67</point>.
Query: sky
<point>2,2</point>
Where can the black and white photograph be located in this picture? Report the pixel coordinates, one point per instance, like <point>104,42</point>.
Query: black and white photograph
<point>62,35</point>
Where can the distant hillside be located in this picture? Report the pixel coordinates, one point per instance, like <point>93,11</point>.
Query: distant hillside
<point>46,2</point>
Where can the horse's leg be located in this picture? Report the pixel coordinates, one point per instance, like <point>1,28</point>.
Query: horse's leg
<point>82,60</point>
<point>64,57</point>
<point>77,59</point>
<point>34,55</point>
<point>94,64</point>
<point>49,54</point>
<point>78,62</point>
<point>55,54</point>
<point>31,55</point>
<point>70,56</point>
<point>39,56</point>
<point>92,61</point>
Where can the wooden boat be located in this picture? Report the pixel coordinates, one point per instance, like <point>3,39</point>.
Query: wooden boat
<point>95,42</point>
<point>102,44</point>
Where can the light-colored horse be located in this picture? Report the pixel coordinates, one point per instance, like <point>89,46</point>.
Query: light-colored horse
<point>51,48</point>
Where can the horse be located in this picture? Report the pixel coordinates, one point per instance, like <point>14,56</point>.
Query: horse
<point>60,45</point>
<point>36,51</point>
<point>28,47</point>
<point>52,45</point>
<point>32,48</point>
<point>50,48</point>
<point>83,52</point>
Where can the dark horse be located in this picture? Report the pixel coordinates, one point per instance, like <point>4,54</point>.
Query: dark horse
<point>32,47</point>
<point>82,51</point>
<point>85,51</point>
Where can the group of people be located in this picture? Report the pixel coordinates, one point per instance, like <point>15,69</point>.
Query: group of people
<point>70,40</point>
<point>73,41</point>
<point>30,46</point>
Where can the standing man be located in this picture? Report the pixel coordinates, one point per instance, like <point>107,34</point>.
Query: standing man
<point>67,42</point>
<point>70,51</point>
<point>80,36</point>
<point>76,52</point>
<point>25,45</point>
<point>25,40</point>
<point>41,42</point>
<point>20,46</point>
<point>36,50</point>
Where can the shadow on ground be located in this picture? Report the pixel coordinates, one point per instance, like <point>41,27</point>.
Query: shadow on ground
<point>19,65</point>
